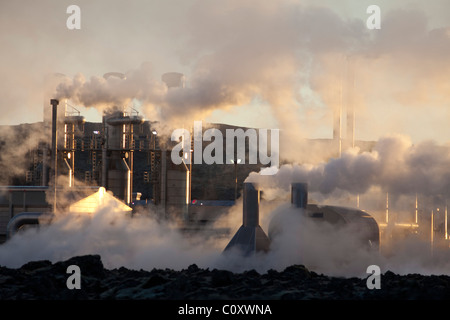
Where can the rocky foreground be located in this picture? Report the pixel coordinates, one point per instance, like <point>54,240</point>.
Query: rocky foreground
<point>46,280</point>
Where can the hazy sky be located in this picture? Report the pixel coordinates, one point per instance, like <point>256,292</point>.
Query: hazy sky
<point>255,63</point>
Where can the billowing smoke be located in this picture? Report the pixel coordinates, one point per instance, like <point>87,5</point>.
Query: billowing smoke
<point>143,242</point>
<point>395,165</point>
<point>258,55</point>
<point>17,146</point>
<point>257,51</point>
<point>121,240</point>
<point>288,56</point>
<point>295,60</point>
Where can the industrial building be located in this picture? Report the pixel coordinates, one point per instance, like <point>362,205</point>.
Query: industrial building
<point>126,156</point>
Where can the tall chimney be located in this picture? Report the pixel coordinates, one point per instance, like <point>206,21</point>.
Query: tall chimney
<point>250,237</point>
<point>350,105</point>
<point>337,129</point>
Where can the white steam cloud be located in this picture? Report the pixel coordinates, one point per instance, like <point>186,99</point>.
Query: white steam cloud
<point>15,146</point>
<point>141,242</point>
<point>395,165</point>
<point>138,242</point>
<point>285,55</point>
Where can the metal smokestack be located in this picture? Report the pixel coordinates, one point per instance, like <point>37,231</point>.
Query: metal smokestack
<point>250,212</point>
<point>350,104</point>
<point>299,195</point>
<point>250,237</point>
<point>50,83</point>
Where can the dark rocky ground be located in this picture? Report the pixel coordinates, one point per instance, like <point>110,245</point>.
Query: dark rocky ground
<point>46,280</point>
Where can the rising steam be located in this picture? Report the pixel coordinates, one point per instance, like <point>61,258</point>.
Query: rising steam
<point>395,165</point>
<point>291,57</point>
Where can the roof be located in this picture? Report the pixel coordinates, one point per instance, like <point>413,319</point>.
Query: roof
<point>98,200</point>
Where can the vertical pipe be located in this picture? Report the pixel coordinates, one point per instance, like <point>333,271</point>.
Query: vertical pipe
<point>163,185</point>
<point>445,221</point>
<point>350,105</point>
<point>66,144</point>
<point>70,172</point>
<point>235,181</point>
<point>104,151</point>
<point>54,104</point>
<point>128,195</point>
<point>131,147</point>
<point>417,210</point>
<point>72,165</point>
<point>387,207</point>
<point>250,211</point>
<point>337,128</point>
<point>432,233</point>
<point>45,163</point>
<point>299,195</point>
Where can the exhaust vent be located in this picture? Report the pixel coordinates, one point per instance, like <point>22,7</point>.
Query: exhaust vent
<point>299,195</point>
<point>250,237</point>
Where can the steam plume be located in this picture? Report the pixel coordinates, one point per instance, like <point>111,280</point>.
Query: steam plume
<point>395,165</point>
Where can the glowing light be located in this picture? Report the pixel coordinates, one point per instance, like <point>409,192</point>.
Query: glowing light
<point>98,200</point>
<point>101,192</point>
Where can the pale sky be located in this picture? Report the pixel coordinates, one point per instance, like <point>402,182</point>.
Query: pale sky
<point>264,63</point>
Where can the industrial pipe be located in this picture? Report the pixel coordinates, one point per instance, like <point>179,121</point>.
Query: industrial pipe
<point>250,211</point>
<point>250,237</point>
<point>299,195</point>
<point>24,218</point>
<point>54,104</point>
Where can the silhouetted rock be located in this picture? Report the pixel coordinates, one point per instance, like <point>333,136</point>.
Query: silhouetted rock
<point>35,265</point>
<point>44,280</point>
<point>221,278</point>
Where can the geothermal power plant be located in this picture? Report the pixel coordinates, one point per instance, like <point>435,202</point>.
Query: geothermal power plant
<point>125,158</point>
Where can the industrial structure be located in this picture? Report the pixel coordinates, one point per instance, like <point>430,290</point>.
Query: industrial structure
<point>337,216</point>
<point>125,155</point>
<point>250,238</point>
